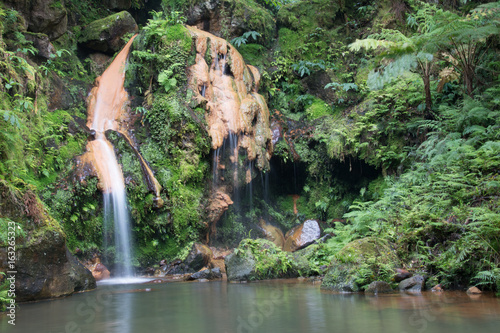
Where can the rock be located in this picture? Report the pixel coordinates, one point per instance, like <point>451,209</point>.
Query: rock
<point>100,272</point>
<point>60,96</point>
<point>272,233</point>
<point>240,266</point>
<point>401,274</point>
<point>303,258</point>
<point>272,262</point>
<point>474,291</point>
<point>315,85</point>
<point>276,131</point>
<point>378,287</point>
<point>413,284</point>
<point>344,271</point>
<point>208,274</point>
<point>199,257</point>
<point>46,268</point>
<point>240,16</point>
<point>118,4</point>
<point>105,35</point>
<point>99,62</point>
<point>302,235</point>
<point>44,16</point>
<point>219,203</point>
<point>437,288</point>
<point>42,43</point>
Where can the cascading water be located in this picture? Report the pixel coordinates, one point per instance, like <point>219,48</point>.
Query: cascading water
<point>107,101</point>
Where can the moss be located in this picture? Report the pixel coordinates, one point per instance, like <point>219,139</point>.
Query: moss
<point>359,263</point>
<point>317,109</point>
<point>95,29</point>
<point>306,15</point>
<point>254,54</point>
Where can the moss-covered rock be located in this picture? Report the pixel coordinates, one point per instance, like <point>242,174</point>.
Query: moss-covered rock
<point>44,266</point>
<point>308,14</point>
<point>105,35</point>
<point>360,263</point>
<point>232,18</point>
<point>45,16</point>
<point>259,259</point>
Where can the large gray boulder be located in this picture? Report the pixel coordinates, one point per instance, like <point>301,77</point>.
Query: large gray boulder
<point>414,284</point>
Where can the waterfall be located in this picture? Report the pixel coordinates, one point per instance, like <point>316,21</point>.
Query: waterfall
<point>107,102</point>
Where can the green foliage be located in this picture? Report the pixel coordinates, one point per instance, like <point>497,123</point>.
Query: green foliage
<point>242,40</point>
<point>271,262</point>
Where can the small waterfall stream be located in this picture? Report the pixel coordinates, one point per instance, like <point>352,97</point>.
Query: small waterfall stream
<point>107,101</point>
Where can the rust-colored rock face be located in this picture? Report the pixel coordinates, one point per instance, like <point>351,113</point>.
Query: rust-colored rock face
<point>108,109</point>
<point>302,235</point>
<point>272,233</point>
<point>228,87</point>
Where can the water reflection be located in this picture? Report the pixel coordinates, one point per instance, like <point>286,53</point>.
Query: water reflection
<point>275,306</point>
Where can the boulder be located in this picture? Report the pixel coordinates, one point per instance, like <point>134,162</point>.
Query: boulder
<point>106,35</point>
<point>45,16</point>
<point>401,274</point>
<point>437,288</point>
<point>302,235</point>
<point>272,233</point>
<point>348,271</point>
<point>100,272</point>
<point>240,266</point>
<point>199,257</point>
<point>378,287</point>
<point>60,97</point>
<point>239,17</point>
<point>46,269</point>
<point>208,274</point>
<point>474,291</point>
<point>42,43</point>
<point>258,259</point>
<point>99,62</point>
<point>413,284</point>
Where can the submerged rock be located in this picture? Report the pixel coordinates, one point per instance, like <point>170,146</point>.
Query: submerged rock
<point>105,35</point>
<point>302,235</point>
<point>344,273</point>
<point>208,274</point>
<point>474,291</point>
<point>413,284</point>
<point>378,287</point>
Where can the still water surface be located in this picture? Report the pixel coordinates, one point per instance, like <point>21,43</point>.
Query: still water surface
<point>275,306</point>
